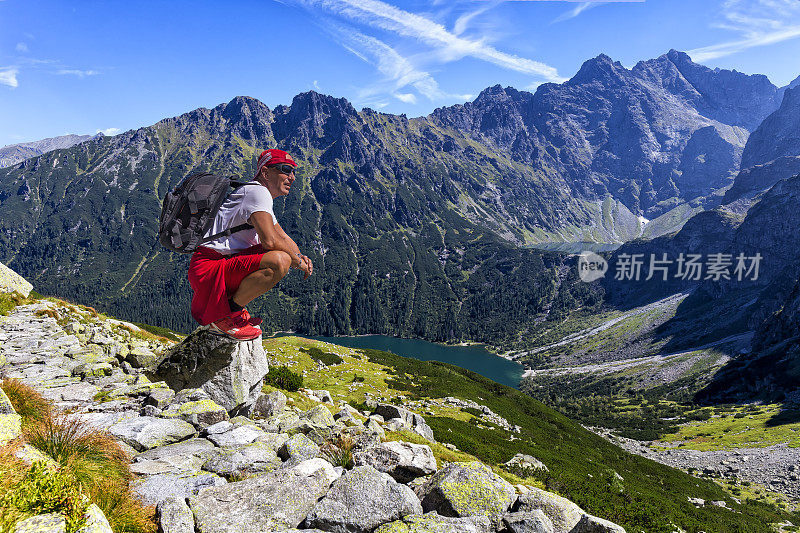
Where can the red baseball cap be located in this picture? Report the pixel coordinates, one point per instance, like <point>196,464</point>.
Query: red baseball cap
<point>274,156</point>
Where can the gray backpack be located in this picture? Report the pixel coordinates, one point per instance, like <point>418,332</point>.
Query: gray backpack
<point>188,212</point>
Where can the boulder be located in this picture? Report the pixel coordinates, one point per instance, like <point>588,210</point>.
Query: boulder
<point>96,521</point>
<point>11,282</point>
<point>182,457</point>
<point>195,406</point>
<point>528,522</point>
<point>270,502</point>
<point>236,436</point>
<point>230,371</point>
<point>526,461</point>
<point>403,461</point>
<point>43,523</point>
<point>145,432</point>
<point>319,416</point>
<point>174,516</point>
<point>468,489</point>
<point>10,421</point>
<point>298,448</point>
<point>413,421</point>
<point>267,405</point>
<point>563,513</point>
<point>434,523</point>
<point>361,500</point>
<point>241,461</point>
<point>154,489</point>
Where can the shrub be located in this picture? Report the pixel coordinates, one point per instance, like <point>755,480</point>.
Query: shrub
<point>283,378</point>
<point>326,358</point>
<point>28,403</point>
<point>357,378</point>
<point>39,489</point>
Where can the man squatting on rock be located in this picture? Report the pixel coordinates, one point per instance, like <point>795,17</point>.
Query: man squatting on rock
<point>228,273</point>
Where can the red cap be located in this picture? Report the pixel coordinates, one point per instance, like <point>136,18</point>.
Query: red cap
<point>274,157</point>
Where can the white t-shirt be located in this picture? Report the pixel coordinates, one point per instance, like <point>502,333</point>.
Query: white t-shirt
<point>235,210</point>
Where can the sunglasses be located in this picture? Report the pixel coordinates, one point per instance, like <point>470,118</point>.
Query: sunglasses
<point>286,169</point>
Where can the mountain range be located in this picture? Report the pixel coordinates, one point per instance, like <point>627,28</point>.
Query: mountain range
<point>16,153</point>
<point>418,227</point>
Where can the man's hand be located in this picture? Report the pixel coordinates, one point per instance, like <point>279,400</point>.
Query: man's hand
<point>304,264</point>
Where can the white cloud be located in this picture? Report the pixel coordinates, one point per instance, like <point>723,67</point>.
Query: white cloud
<point>76,72</point>
<point>8,76</point>
<point>464,20</point>
<point>21,47</point>
<point>446,45</point>
<point>408,98</point>
<point>577,10</point>
<point>316,85</point>
<point>398,71</point>
<point>758,23</point>
<point>108,131</point>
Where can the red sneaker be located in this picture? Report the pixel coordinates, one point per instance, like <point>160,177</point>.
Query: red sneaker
<point>235,328</point>
<point>245,316</point>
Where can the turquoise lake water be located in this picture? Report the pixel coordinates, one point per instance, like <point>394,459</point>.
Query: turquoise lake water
<point>475,357</point>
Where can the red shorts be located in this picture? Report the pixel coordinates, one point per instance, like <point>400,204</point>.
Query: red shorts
<point>215,277</point>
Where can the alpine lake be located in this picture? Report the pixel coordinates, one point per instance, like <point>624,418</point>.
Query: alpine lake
<point>474,357</point>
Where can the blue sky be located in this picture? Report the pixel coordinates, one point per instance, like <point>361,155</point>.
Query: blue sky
<point>111,65</point>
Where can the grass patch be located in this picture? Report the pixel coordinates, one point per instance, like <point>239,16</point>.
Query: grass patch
<point>92,468</point>
<point>161,333</point>
<point>29,404</point>
<point>339,452</point>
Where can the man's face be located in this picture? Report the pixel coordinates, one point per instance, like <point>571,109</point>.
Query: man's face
<point>277,181</point>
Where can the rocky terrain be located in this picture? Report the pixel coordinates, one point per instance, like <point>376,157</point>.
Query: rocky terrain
<point>209,472</point>
<point>776,468</point>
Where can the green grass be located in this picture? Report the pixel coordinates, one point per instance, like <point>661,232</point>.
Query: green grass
<point>739,427</point>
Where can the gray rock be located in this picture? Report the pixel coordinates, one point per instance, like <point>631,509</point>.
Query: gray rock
<point>434,523</point>
<point>468,489</point>
<point>10,421</point>
<point>160,398</point>
<point>361,500</point>
<point>144,432</point>
<point>231,372</point>
<point>142,357</point>
<point>273,440</point>
<point>526,461</point>
<point>96,521</point>
<point>319,416</point>
<point>298,448</point>
<point>242,461</point>
<point>43,523</point>
<point>269,502</point>
<point>267,405</point>
<point>563,513</point>
<point>174,516</point>
<point>238,436</point>
<point>154,489</point>
<point>413,421</point>
<point>200,412</point>
<point>593,524</point>
<point>403,461</point>
<point>528,522</point>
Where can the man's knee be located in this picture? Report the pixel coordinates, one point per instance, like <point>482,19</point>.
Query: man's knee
<point>279,262</point>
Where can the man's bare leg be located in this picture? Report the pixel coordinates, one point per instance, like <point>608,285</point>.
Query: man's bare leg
<point>273,267</point>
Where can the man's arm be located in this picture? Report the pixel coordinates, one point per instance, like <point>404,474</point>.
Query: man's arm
<point>273,237</point>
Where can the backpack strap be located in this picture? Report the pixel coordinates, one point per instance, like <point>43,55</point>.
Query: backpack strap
<point>227,232</point>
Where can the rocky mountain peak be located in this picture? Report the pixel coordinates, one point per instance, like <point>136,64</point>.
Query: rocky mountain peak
<point>601,68</point>
<point>779,134</point>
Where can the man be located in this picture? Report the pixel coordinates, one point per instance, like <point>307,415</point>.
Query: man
<point>228,273</point>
